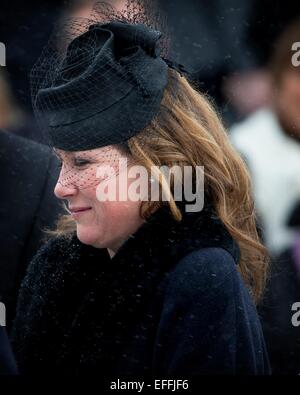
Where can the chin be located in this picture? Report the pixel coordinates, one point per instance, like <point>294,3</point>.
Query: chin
<point>89,237</point>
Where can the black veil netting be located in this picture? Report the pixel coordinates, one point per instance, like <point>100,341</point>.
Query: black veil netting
<point>99,81</point>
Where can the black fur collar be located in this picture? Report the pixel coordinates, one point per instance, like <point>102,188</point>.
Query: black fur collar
<point>96,301</point>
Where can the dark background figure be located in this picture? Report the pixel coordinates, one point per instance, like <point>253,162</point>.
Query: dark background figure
<point>269,140</point>
<point>209,38</point>
<point>249,90</point>
<point>283,290</point>
<point>267,20</point>
<point>227,46</point>
<point>28,169</point>
<point>24,29</point>
<point>28,172</point>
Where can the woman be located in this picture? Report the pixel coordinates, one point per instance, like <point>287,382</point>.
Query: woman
<point>140,286</point>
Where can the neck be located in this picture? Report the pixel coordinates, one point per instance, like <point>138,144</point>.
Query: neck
<point>111,253</point>
<point>114,247</point>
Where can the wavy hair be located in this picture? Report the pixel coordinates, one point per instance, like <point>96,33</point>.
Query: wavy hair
<point>188,131</point>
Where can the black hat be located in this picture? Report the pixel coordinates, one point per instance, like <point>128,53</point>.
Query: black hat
<point>107,87</point>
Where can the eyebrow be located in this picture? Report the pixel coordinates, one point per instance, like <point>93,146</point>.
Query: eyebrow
<point>84,155</point>
<point>74,156</point>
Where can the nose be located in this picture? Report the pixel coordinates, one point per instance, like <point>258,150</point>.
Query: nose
<point>62,191</point>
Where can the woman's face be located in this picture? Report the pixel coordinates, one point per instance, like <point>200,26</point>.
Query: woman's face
<point>102,224</point>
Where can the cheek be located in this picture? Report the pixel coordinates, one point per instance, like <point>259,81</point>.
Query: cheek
<point>116,216</point>
<point>108,212</point>
<point>89,194</point>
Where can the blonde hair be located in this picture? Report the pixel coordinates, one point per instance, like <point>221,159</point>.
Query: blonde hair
<point>188,131</point>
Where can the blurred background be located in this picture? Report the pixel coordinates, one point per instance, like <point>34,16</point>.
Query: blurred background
<point>239,53</point>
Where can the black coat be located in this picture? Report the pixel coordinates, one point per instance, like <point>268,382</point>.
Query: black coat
<point>282,291</point>
<point>27,206</point>
<point>170,302</point>
<point>282,338</point>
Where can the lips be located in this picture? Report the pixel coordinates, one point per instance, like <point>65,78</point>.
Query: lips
<point>78,212</point>
<point>75,210</point>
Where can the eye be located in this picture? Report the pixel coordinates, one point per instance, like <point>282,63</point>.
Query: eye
<point>81,162</point>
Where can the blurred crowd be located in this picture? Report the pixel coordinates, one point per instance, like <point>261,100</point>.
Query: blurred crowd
<point>240,55</point>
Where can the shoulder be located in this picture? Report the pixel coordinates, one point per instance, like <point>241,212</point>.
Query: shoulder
<point>206,283</point>
<point>204,273</point>
<point>208,322</point>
